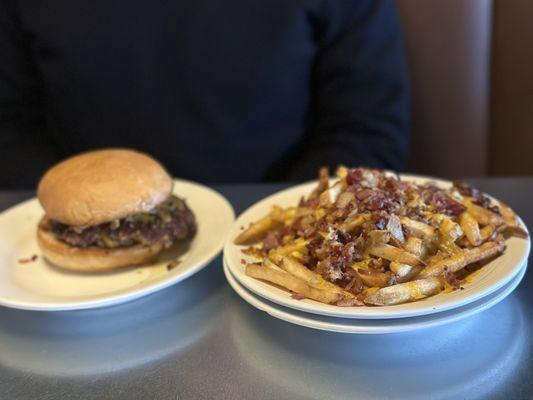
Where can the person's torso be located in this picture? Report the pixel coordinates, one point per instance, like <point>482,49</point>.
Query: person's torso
<point>218,90</point>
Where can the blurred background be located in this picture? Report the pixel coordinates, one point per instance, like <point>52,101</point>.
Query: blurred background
<point>471,70</point>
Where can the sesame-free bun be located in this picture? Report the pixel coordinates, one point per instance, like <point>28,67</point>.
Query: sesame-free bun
<point>92,259</point>
<point>99,186</point>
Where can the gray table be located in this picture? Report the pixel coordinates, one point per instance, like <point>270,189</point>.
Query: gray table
<point>199,340</point>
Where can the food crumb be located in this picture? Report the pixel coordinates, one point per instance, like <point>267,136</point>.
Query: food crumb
<point>28,260</point>
<point>243,261</point>
<point>173,264</point>
<point>242,228</point>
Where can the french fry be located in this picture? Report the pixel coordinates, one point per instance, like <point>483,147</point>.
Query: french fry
<point>323,182</point>
<point>298,245</point>
<point>296,285</point>
<point>259,229</point>
<point>404,272</point>
<point>394,227</point>
<point>352,223</point>
<point>329,196</point>
<point>392,253</point>
<point>508,215</point>
<point>378,237</point>
<point>341,172</point>
<point>515,230</point>
<point>405,292</point>
<point>486,232</point>
<point>449,232</point>
<point>295,268</point>
<point>470,228</point>
<point>482,215</point>
<point>460,260</point>
<point>418,228</point>
<point>271,264</point>
<point>374,278</point>
<point>414,245</point>
<point>513,227</point>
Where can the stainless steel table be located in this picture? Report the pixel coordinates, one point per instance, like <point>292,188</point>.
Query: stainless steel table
<point>199,340</point>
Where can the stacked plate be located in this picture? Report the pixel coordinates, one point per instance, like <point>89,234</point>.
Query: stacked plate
<point>491,284</point>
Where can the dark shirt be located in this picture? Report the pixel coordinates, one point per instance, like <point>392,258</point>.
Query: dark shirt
<point>218,91</point>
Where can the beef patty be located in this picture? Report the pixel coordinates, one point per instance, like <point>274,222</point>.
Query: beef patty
<point>167,223</point>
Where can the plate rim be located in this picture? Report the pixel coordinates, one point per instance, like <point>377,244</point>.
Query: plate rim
<point>430,320</point>
<point>101,301</point>
<point>310,306</point>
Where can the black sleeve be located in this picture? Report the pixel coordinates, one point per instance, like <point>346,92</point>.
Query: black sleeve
<point>360,114</point>
<point>25,150</point>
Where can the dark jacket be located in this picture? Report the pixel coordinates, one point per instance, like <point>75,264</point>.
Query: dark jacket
<point>218,90</point>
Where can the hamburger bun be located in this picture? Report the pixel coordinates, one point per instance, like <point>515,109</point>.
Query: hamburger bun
<point>100,186</point>
<point>92,259</point>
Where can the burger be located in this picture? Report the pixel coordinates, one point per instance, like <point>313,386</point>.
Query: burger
<point>109,208</point>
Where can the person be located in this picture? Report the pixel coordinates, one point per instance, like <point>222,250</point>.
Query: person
<point>218,91</point>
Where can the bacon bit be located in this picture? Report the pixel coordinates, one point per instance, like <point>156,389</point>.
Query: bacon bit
<point>173,264</point>
<point>33,258</point>
<point>271,241</point>
<point>297,296</point>
<point>364,194</point>
<point>354,176</point>
<point>450,277</point>
<point>442,202</point>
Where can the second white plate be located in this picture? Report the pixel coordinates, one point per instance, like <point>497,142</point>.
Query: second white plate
<point>372,326</point>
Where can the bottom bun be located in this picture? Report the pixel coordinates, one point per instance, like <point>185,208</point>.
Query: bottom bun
<point>92,259</point>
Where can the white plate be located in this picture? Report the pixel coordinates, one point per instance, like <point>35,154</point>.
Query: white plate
<point>41,286</point>
<point>491,277</point>
<point>372,326</point>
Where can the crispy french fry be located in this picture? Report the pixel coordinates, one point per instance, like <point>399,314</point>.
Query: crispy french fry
<point>296,285</point>
<point>508,215</point>
<point>449,232</point>
<point>374,278</point>
<point>404,292</point>
<point>515,230</point>
<point>323,182</point>
<point>270,264</point>
<point>352,223</point>
<point>460,260</point>
<point>330,196</point>
<point>392,253</point>
<point>513,227</point>
<point>418,228</point>
<point>295,268</point>
<point>260,228</point>
<point>394,227</point>
<point>341,172</point>
<point>482,215</point>
<point>414,245</point>
<point>298,245</point>
<point>486,232</point>
<point>404,272</point>
<point>378,237</point>
<point>470,228</point>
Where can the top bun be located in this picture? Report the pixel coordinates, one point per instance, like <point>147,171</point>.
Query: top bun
<point>100,186</point>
